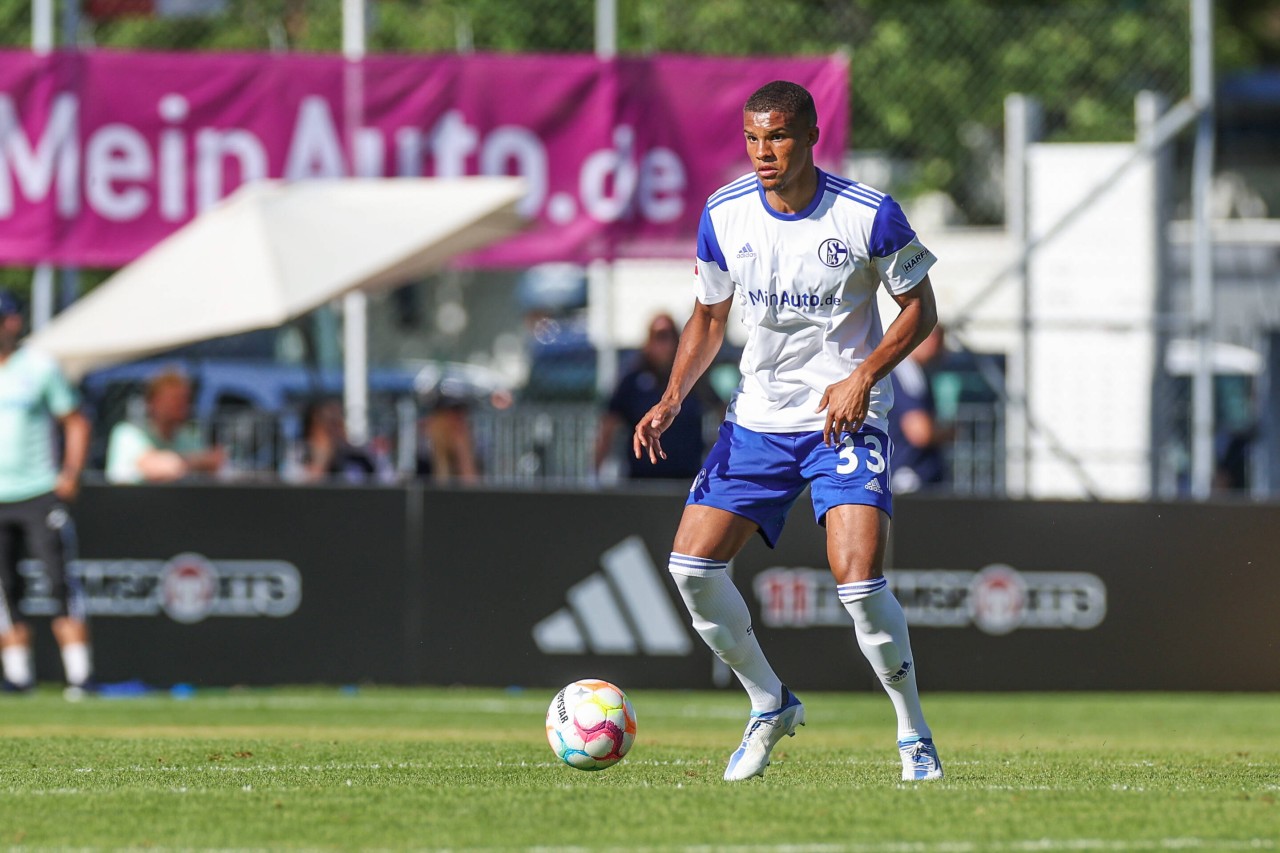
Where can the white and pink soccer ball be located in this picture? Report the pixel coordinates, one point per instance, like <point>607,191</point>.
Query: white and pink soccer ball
<point>590,724</point>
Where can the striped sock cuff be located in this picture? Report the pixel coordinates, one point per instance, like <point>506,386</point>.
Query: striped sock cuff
<point>860,589</point>
<point>698,567</point>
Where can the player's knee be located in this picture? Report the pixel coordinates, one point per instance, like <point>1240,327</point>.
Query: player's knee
<point>696,581</point>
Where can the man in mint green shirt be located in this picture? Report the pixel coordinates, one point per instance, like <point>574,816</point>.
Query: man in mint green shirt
<point>34,492</point>
<point>167,447</point>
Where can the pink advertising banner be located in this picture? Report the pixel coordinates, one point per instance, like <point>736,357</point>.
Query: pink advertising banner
<point>103,154</point>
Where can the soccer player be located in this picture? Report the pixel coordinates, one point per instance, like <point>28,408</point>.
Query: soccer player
<point>33,501</point>
<point>804,252</point>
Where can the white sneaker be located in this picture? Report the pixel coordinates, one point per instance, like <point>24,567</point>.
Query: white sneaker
<point>920,762</point>
<point>764,730</point>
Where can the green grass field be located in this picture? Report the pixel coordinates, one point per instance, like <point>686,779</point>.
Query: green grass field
<point>456,769</point>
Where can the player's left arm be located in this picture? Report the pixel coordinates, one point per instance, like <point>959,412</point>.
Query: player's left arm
<point>847,401</point>
<point>63,403</point>
<point>699,342</point>
<point>75,431</point>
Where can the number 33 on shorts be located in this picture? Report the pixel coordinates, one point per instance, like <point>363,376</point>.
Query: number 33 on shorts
<point>862,446</point>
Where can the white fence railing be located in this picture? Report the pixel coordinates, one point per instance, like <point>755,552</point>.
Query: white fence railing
<point>533,444</point>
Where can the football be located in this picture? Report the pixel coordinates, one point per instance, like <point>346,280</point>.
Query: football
<point>590,724</point>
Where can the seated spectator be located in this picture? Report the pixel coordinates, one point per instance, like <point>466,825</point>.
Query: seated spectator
<point>1233,450</point>
<point>637,392</point>
<point>328,452</point>
<point>446,449</point>
<point>167,447</point>
<point>918,439</point>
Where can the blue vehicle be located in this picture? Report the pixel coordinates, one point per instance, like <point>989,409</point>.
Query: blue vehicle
<point>243,385</point>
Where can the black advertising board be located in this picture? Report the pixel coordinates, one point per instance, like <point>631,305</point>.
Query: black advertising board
<point>1001,595</point>
<point>240,585</point>
<point>283,584</point>
<point>1189,594</point>
<point>548,587</point>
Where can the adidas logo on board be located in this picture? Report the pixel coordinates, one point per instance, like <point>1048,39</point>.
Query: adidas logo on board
<point>623,610</point>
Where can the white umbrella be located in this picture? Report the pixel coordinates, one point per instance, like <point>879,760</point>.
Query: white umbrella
<point>272,251</point>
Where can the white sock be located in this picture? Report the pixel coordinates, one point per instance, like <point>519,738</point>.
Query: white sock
<point>721,618</point>
<point>17,665</point>
<point>881,628</point>
<point>76,663</point>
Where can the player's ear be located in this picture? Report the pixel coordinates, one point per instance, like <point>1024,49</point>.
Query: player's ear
<point>813,136</point>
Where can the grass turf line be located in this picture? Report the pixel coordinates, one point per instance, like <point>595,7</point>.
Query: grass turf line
<point>459,768</point>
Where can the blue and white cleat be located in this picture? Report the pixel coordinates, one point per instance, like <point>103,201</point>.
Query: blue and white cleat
<point>764,730</point>
<point>920,762</point>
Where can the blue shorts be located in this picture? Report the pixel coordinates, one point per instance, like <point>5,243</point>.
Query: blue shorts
<point>759,475</point>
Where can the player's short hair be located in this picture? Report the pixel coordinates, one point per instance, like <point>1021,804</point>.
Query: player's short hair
<point>781,96</point>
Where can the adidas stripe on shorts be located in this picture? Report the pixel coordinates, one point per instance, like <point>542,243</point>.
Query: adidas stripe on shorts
<point>759,475</point>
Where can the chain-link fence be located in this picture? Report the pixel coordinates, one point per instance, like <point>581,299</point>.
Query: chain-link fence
<point>928,88</point>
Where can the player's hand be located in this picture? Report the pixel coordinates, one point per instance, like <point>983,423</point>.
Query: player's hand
<point>846,403</point>
<point>67,486</point>
<point>647,437</point>
<point>208,461</point>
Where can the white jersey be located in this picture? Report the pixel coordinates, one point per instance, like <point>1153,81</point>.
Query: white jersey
<point>807,286</point>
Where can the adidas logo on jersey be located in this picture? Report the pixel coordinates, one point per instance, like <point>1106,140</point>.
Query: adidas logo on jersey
<point>874,486</point>
<point>746,251</point>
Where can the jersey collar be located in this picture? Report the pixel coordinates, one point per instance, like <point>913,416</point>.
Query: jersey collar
<point>808,209</point>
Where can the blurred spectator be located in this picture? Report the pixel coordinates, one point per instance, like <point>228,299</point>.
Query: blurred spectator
<point>446,450</point>
<point>1233,451</point>
<point>168,446</point>
<point>637,392</point>
<point>918,438</point>
<point>34,495</point>
<point>328,451</point>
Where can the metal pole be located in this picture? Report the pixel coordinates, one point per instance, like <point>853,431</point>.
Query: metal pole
<point>42,296</point>
<point>43,278</point>
<point>606,29</point>
<point>353,35</point>
<point>355,305</point>
<point>1148,109</point>
<point>69,278</point>
<point>600,324</point>
<point>42,26</point>
<point>1022,127</point>
<point>600,274</point>
<point>70,22</point>
<point>1202,308</point>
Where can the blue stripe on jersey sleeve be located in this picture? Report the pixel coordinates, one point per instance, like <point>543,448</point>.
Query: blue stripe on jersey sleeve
<point>716,201</point>
<point>708,243</point>
<point>859,199</point>
<point>744,181</point>
<point>890,231</point>
<point>845,185</point>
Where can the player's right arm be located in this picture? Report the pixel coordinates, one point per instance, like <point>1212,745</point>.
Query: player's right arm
<point>699,343</point>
